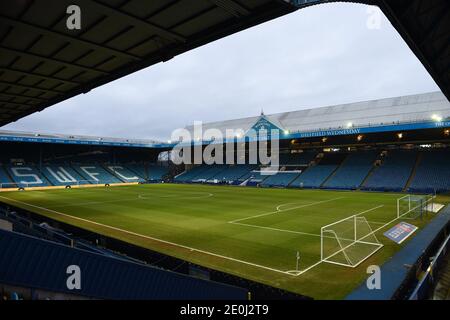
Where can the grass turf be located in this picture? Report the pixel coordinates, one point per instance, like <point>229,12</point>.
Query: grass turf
<point>251,232</point>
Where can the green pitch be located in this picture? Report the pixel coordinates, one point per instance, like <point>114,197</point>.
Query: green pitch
<point>251,232</point>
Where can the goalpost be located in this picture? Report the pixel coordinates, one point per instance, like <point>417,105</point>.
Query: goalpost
<point>348,242</point>
<point>413,206</point>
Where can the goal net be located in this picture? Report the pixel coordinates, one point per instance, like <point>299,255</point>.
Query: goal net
<point>413,206</point>
<point>348,242</point>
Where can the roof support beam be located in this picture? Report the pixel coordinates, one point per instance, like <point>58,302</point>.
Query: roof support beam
<point>231,7</point>
<point>38,75</point>
<point>51,60</point>
<point>37,99</point>
<point>23,86</point>
<point>63,37</point>
<point>3,102</point>
<point>110,11</point>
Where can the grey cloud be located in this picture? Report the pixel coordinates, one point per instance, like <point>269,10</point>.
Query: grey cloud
<point>318,56</point>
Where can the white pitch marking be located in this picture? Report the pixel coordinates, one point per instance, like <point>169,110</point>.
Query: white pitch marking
<point>179,196</point>
<point>299,232</point>
<point>289,209</point>
<point>275,229</point>
<point>150,238</point>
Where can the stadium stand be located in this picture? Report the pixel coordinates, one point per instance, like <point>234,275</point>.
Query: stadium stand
<point>123,173</point>
<point>281,179</point>
<point>188,175</point>
<point>5,181</point>
<point>95,174</point>
<point>233,173</point>
<point>393,173</point>
<point>353,171</point>
<point>211,172</point>
<point>27,176</point>
<point>433,173</point>
<point>62,175</point>
<point>256,177</point>
<point>315,175</point>
<point>26,225</point>
<point>157,173</point>
<point>137,280</point>
<point>146,172</point>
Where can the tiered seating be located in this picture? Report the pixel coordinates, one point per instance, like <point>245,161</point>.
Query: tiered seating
<point>394,172</point>
<point>123,173</point>
<point>353,171</point>
<point>5,181</point>
<point>139,169</point>
<point>62,175</point>
<point>157,173</point>
<point>190,175</point>
<point>148,172</point>
<point>95,174</point>
<point>27,176</point>
<point>233,172</point>
<point>314,176</point>
<point>281,179</point>
<point>433,173</point>
<point>211,172</point>
<point>201,173</point>
<point>255,177</point>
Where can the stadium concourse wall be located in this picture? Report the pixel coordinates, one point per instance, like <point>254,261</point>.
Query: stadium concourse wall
<point>196,282</point>
<point>402,274</point>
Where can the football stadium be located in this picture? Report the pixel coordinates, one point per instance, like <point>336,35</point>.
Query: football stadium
<point>341,193</point>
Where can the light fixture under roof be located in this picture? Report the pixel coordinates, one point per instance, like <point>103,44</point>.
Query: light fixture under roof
<point>436,117</point>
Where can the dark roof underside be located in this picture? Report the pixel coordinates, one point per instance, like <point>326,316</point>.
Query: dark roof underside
<point>425,26</point>
<point>43,63</point>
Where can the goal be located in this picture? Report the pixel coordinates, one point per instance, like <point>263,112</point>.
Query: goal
<point>348,242</point>
<point>413,206</point>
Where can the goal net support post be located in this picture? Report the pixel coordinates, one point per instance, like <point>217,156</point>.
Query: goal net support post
<point>413,206</point>
<point>348,242</point>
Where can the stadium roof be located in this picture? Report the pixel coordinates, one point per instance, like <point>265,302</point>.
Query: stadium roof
<point>43,63</point>
<point>428,107</point>
<point>17,136</point>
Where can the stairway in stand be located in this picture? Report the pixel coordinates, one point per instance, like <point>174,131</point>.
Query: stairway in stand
<point>413,172</point>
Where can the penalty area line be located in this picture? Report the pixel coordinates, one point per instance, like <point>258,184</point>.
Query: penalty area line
<point>150,238</point>
<point>278,210</point>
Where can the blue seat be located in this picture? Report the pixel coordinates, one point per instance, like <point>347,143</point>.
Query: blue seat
<point>123,173</point>
<point>433,173</point>
<point>61,175</point>
<point>5,181</point>
<point>394,172</point>
<point>233,172</point>
<point>27,176</point>
<point>314,176</point>
<point>95,174</point>
<point>353,171</point>
<point>281,179</point>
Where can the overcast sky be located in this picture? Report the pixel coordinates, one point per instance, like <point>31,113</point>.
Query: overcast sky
<point>319,56</point>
